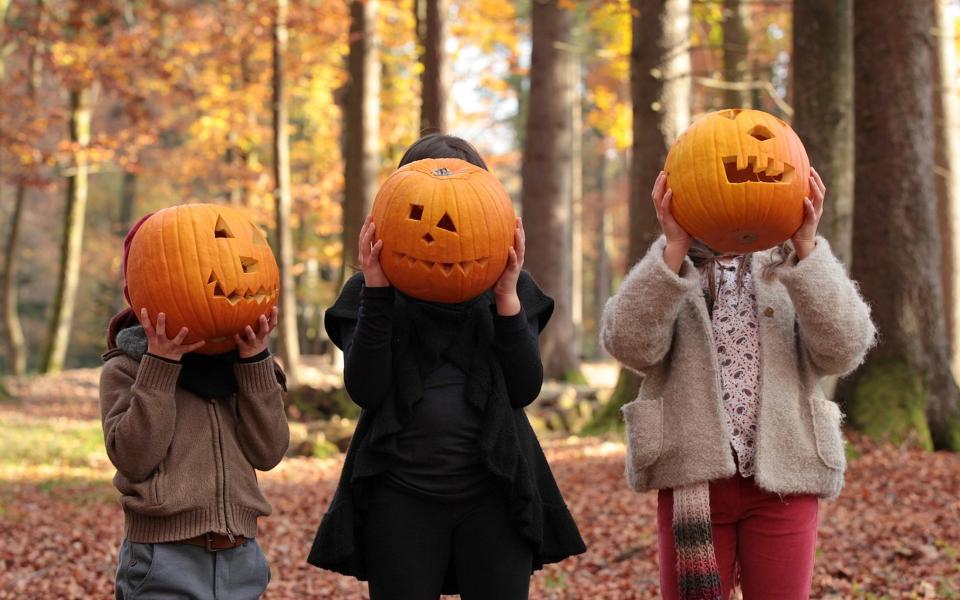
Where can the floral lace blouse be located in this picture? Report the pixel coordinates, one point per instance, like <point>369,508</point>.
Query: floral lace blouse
<point>736,335</point>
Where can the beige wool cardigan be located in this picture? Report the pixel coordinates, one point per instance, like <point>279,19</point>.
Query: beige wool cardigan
<point>813,323</point>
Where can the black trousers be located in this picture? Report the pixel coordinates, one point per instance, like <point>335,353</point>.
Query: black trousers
<point>410,542</point>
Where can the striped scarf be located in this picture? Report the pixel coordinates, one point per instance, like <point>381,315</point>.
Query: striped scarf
<point>699,576</point>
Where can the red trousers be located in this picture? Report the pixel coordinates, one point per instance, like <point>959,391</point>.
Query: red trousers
<point>765,543</point>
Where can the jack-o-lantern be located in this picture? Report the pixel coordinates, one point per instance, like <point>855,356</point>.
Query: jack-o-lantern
<point>208,267</point>
<point>447,227</point>
<point>739,178</point>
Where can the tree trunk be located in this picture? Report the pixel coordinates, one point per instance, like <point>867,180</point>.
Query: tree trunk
<point>289,340</point>
<point>546,193</point>
<point>64,300</point>
<point>897,257</point>
<point>361,140</point>
<point>603,278</point>
<point>13,331</point>
<point>946,114</point>
<point>660,84</point>
<point>736,69</point>
<point>823,99</point>
<point>576,198</point>
<point>431,18</point>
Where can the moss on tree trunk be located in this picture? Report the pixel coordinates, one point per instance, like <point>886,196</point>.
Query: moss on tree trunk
<point>889,404</point>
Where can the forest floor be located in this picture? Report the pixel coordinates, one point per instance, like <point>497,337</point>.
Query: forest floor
<point>894,532</point>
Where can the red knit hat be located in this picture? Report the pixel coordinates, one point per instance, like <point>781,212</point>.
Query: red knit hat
<point>126,317</point>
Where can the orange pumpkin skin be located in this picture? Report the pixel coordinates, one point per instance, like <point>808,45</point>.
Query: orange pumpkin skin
<point>447,227</point>
<point>208,267</point>
<point>739,178</point>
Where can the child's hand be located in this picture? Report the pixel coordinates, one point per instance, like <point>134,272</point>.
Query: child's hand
<point>253,343</point>
<point>805,239</point>
<point>370,256</point>
<point>505,290</point>
<point>678,240</point>
<point>157,342</point>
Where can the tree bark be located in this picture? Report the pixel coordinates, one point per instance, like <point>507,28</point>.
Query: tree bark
<point>361,140</point>
<point>431,17</point>
<point>945,111</point>
<point>547,185</point>
<point>603,278</point>
<point>897,257</point>
<point>823,100</point>
<point>660,84</point>
<point>64,300</point>
<point>736,69</point>
<point>12,330</point>
<point>289,340</point>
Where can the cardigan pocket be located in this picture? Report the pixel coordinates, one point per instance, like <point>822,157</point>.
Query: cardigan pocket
<point>826,430</point>
<point>644,429</point>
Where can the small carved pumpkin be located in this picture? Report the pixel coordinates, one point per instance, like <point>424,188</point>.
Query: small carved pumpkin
<point>208,267</point>
<point>447,227</point>
<point>739,178</point>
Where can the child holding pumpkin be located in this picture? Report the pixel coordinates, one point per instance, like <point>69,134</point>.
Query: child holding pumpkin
<point>185,432</point>
<point>730,423</point>
<point>445,487</point>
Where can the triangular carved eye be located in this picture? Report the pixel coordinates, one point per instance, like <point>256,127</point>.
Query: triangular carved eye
<point>259,239</point>
<point>447,223</point>
<point>221,230</point>
<point>761,133</point>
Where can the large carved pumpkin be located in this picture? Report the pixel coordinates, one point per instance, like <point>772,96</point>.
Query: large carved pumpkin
<point>739,178</point>
<point>208,267</point>
<point>447,227</point>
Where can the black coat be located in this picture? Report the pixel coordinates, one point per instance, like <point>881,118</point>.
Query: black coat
<point>508,444</point>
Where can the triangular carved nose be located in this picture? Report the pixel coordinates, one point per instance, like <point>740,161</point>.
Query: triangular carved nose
<point>428,238</point>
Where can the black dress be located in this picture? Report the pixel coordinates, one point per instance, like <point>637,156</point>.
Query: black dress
<point>509,451</point>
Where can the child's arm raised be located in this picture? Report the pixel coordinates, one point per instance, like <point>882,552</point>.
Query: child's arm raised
<point>262,430</point>
<point>637,324</point>
<point>834,321</point>
<point>516,338</point>
<point>138,406</point>
<point>367,354</point>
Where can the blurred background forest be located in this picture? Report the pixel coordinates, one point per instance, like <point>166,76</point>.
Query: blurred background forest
<point>296,110</point>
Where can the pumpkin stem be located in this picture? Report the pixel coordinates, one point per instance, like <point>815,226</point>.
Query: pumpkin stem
<point>441,172</point>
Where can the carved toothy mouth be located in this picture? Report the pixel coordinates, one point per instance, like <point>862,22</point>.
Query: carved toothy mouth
<point>260,295</point>
<point>753,170</point>
<point>446,267</point>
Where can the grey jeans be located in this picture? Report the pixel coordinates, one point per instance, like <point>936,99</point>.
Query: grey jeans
<point>182,571</point>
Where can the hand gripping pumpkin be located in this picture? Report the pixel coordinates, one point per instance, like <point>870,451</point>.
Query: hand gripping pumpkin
<point>447,227</point>
<point>739,178</point>
<point>208,267</point>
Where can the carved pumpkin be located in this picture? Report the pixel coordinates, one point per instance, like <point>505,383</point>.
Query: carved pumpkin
<point>446,226</point>
<point>208,267</point>
<point>739,178</point>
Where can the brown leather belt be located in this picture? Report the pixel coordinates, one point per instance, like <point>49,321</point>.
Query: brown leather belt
<point>214,542</point>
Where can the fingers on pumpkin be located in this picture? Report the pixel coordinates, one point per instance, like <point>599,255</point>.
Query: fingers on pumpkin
<point>145,322</point>
<point>274,318</point>
<point>181,336</point>
<point>161,325</point>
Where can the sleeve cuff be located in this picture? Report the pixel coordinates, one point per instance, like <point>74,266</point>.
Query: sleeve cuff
<point>511,323</point>
<point>376,293</point>
<point>795,269</point>
<point>156,373</point>
<point>652,266</point>
<point>252,359</point>
<point>256,377</point>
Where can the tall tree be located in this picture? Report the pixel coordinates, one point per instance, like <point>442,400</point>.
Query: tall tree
<point>736,69</point>
<point>12,329</point>
<point>289,337</point>
<point>823,99</point>
<point>547,186</point>
<point>71,248</point>
<point>660,84</point>
<point>431,36</point>
<point>361,135</point>
<point>897,257</point>
<point>947,115</point>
